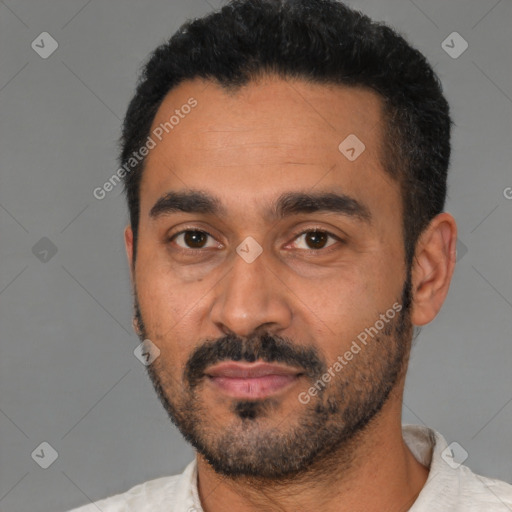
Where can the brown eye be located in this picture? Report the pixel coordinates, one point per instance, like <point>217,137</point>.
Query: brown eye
<point>315,240</point>
<point>195,239</point>
<point>192,239</point>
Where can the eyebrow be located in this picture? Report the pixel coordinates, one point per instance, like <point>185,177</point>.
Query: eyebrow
<point>286,205</point>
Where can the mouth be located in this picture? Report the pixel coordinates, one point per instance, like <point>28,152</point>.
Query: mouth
<point>251,380</point>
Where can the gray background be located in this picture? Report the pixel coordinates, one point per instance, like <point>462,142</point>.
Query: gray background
<point>68,373</point>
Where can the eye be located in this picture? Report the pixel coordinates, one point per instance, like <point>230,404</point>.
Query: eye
<point>196,239</point>
<point>316,239</point>
<point>192,239</point>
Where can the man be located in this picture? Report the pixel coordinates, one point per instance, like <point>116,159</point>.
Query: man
<point>285,167</point>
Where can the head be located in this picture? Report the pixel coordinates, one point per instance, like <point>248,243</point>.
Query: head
<point>288,208</point>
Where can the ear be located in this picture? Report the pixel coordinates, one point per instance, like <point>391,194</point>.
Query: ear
<point>128,242</point>
<point>433,266</point>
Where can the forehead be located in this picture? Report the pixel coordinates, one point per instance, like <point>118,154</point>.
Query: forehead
<point>269,136</point>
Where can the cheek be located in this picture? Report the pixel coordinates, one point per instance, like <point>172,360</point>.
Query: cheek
<point>170,288</point>
<point>160,294</point>
<point>341,307</point>
<point>171,312</point>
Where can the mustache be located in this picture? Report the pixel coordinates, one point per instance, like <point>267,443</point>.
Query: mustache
<point>270,349</point>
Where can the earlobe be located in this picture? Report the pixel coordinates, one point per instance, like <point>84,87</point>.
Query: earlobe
<point>433,267</point>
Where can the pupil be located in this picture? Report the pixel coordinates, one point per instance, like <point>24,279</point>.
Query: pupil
<point>195,238</point>
<point>317,239</point>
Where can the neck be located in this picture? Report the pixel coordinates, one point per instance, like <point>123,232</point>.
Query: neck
<point>375,471</point>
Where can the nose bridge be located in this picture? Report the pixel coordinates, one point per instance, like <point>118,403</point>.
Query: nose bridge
<point>250,295</point>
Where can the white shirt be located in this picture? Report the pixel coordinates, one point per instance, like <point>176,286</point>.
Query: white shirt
<point>450,487</point>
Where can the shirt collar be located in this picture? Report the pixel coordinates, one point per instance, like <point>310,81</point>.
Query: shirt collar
<point>426,445</point>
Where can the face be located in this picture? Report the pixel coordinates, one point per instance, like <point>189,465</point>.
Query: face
<point>270,272</point>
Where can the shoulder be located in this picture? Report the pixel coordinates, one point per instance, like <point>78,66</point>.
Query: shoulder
<point>478,492</point>
<point>451,486</point>
<point>148,496</point>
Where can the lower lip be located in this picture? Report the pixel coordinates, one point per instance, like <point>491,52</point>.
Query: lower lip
<point>253,388</point>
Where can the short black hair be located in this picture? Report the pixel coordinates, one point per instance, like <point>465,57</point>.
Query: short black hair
<point>317,41</point>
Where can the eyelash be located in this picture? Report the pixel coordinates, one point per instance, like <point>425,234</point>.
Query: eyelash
<point>295,236</point>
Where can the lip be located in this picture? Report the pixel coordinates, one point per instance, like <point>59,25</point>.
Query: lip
<point>251,380</point>
<point>249,370</point>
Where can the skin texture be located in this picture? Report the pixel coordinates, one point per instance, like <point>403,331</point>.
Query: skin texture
<point>272,137</point>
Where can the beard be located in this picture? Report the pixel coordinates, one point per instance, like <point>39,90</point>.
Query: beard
<point>315,436</point>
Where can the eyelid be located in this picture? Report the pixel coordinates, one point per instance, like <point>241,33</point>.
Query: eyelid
<point>317,229</point>
<point>172,237</point>
<point>296,235</point>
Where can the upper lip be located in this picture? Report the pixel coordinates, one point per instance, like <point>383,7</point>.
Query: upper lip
<point>236,370</point>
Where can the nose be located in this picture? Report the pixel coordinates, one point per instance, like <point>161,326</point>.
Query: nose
<point>250,298</point>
